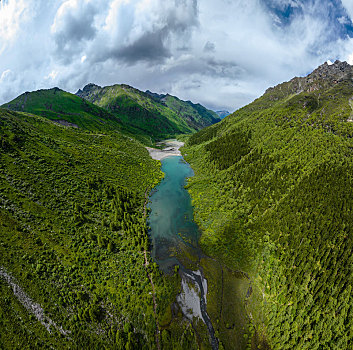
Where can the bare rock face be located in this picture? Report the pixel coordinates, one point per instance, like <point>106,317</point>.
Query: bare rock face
<point>322,77</point>
<point>328,74</point>
<point>31,306</point>
<point>88,90</point>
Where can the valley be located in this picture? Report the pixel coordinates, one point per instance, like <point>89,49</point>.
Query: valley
<point>173,232</point>
<point>175,239</point>
<point>74,237</point>
<point>176,175</point>
<point>134,220</point>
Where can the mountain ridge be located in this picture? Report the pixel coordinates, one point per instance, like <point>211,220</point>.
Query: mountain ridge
<point>59,105</point>
<point>118,107</point>
<point>187,115</point>
<point>321,77</point>
<point>272,193</point>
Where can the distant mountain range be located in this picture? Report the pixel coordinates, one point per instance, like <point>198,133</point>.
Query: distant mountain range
<point>152,114</point>
<point>145,115</point>
<point>222,114</point>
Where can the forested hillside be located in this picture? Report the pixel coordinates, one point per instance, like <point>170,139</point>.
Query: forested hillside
<point>74,253</point>
<point>273,195</point>
<point>195,115</point>
<point>159,116</point>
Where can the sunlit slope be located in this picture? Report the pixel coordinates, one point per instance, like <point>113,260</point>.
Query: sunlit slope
<point>73,236</point>
<point>61,106</point>
<point>147,112</point>
<point>273,194</point>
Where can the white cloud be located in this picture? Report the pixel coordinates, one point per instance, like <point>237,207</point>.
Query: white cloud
<point>52,75</point>
<point>6,74</point>
<point>348,4</point>
<point>350,59</point>
<point>13,13</point>
<point>221,53</point>
<point>343,20</point>
<point>73,26</point>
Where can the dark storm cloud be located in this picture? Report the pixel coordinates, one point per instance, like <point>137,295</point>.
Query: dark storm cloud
<point>149,47</point>
<point>225,69</point>
<point>73,25</point>
<point>209,47</point>
<point>147,38</point>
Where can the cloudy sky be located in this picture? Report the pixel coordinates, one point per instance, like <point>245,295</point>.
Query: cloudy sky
<point>221,53</point>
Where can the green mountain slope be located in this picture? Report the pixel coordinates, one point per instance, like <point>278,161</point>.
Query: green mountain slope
<point>66,109</point>
<point>73,237</point>
<point>195,115</point>
<point>273,194</point>
<point>151,114</point>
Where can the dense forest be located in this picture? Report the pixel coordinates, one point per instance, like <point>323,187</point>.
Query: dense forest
<point>273,195</point>
<point>74,251</point>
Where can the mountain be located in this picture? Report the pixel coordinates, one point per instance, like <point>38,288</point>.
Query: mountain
<point>75,265</point>
<point>273,195</point>
<point>119,107</point>
<point>64,108</point>
<point>222,114</point>
<point>195,115</point>
<point>160,116</point>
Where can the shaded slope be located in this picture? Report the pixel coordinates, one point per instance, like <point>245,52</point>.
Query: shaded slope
<point>150,113</point>
<point>273,195</point>
<point>195,115</point>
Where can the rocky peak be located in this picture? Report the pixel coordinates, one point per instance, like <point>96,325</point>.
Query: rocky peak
<point>87,90</point>
<point>90,87</point>
<point>325,76</point>
<point>335,71</point>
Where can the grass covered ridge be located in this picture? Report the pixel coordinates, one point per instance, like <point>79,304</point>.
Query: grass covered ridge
<point>159,116</point>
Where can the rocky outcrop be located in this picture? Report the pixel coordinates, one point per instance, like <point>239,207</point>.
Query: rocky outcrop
<point>31,306</point>
<point>322,77</point>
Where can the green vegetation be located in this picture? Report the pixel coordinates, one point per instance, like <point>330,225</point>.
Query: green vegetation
<point>273,195</point>
<point>61,106</point>
<point>73,236</point>
<point>159,116</point>
<point>195,115</point>
<point>117,108</point>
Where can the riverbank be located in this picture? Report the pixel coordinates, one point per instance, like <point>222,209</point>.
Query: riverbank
<point>174,236</point>
<point>171,148</point>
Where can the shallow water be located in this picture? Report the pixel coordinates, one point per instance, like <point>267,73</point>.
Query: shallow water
<point>173,232</point>
<point>171,217</point>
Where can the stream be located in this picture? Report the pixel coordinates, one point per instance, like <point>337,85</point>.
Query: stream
<point>173,233</point>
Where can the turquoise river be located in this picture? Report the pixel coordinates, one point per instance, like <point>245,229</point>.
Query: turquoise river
<point>173,231</point>
<point>171,216</point>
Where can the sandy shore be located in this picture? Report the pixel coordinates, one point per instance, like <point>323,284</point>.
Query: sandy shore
<point>171,148</point>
